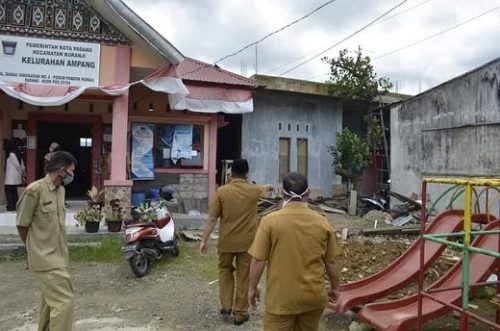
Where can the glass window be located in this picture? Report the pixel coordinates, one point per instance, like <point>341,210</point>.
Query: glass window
<point>173,136</point>
<point>85,142</point>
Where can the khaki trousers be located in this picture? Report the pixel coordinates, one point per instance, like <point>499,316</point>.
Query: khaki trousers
<point>308,321</point>
<point>57,311</point>
<point>227,282</point>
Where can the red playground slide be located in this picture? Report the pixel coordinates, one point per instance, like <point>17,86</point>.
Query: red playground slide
<point>400,272</point>
<point>402,314</point>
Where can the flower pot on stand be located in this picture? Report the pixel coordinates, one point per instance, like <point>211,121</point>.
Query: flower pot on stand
<point>91,227</point>
<point>114,225</point>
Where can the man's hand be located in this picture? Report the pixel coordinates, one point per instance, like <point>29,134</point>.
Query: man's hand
<point>269,188</point>
<point>333,293</point>
<point>203,247</point>
<point>253,297</point>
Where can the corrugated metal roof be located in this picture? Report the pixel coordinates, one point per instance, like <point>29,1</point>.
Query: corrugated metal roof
<point>198,71</point>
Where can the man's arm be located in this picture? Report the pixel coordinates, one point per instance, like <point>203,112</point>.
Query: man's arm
<point>256,270</point>
<point>209,227</point>
<point>23,232</point>
<point>333,274</point>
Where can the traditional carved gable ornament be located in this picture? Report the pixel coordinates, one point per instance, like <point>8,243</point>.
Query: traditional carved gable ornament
<point>59,19</point>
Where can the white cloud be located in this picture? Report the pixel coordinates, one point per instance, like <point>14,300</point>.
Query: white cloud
<point>208,30</point>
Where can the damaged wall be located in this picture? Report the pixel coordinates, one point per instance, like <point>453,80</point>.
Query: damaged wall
<point>450,130</point>
<point>319,118</point>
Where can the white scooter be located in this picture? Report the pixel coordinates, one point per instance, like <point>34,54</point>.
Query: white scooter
<point>150,238</point>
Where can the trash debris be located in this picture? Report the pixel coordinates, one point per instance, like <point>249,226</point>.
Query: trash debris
<point>194,212</point>
<point>213,282</point>
<point>190,236</point>
<point>402,220</point>
<point>331,210</point>
<point>345,232</point>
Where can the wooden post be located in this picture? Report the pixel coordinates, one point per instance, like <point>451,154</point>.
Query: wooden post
<point>353,202</point>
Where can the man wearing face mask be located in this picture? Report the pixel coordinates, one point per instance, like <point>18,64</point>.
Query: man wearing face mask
<point>298,245</point>
<point>41,225</point>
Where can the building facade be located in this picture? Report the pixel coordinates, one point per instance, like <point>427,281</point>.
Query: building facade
<point>94,77</point>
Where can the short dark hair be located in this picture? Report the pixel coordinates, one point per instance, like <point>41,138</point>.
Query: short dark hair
<point>58,160</point>
<point>295,182</point>
<point>239,167</point>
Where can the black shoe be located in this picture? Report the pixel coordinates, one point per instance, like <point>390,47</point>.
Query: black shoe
<point>241,320</point>
<point>226,314</point>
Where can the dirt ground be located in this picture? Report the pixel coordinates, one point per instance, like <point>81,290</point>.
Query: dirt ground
<point>180,293</point>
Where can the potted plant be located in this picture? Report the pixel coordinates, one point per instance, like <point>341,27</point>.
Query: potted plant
<point>115,218</point>
<point>90,217</point>
<point>96,197</point>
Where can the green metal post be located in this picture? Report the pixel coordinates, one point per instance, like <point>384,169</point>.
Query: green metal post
<point>466,258</point>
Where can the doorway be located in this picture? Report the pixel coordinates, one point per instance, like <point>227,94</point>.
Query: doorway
<point>75,138</point>
<point>228,142</point>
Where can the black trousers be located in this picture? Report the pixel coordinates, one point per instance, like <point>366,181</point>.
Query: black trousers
<point>12,197</point>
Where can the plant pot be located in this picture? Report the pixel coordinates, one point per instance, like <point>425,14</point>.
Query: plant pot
<point>91,227</point>
<point>114,226</point>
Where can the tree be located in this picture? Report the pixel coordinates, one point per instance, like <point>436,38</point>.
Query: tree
<point>354,78</point>
<point>351,155</point>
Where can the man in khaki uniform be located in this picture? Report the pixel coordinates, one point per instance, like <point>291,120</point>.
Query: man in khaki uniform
<point>41,225</point>
<point>236,205</point>
<point>298,244</point>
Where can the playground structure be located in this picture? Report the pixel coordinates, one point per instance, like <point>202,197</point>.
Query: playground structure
<point>479,259</point>
<point>466,247</point>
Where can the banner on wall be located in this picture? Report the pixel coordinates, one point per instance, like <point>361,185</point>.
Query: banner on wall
<point>49,62</point>
<point>182,142</point>
<point>142,163</point>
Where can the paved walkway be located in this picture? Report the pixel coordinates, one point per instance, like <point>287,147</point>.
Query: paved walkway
<point>182,221</point>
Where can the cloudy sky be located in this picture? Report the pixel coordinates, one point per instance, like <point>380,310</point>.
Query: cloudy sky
<point>211,29</point>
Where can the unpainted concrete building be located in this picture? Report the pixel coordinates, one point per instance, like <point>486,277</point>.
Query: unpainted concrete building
<point>450,130</point>
<point>292,125</point>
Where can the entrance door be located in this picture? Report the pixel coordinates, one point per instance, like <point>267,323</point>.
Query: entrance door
<point>75,138</point>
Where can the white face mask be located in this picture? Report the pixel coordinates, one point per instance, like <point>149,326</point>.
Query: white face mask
<point>294,195</point>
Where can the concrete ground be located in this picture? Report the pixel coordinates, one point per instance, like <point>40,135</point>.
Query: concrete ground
<point>10,240</point>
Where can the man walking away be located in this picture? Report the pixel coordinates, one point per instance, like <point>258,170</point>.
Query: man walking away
<point>298,244</point>
<point>236,205</point>
<point>41,225</point>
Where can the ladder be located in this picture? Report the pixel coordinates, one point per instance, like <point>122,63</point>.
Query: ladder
<point>382,159</point>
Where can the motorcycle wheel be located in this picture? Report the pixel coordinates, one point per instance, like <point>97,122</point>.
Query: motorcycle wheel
<point>139,264</point>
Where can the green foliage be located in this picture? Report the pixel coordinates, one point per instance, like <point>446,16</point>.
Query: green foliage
<point>117,213</point>
<point>351,154</point>
<point>108,250</point>
<point>89,214</point>
<point>375,131</point>
<point>353,77</point>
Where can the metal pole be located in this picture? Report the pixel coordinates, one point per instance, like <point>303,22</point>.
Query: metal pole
<point>497,270</point>
<point>422,255</point>
<point>466,258</point>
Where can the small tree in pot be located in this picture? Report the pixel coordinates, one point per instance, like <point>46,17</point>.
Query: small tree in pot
<point>90,217</point>
<point>96,197</point>
<point>114,219</point>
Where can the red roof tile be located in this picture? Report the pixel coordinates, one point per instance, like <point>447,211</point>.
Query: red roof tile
<point>194,70</point>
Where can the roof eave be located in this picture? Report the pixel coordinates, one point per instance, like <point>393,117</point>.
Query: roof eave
<point>136,29</point>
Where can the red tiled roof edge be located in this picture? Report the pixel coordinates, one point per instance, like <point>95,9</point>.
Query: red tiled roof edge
<point>198,71</point>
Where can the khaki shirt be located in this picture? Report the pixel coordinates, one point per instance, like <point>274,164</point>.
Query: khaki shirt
<point>41,209</point>
<point>236,205</point>
<point>295,241</point>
